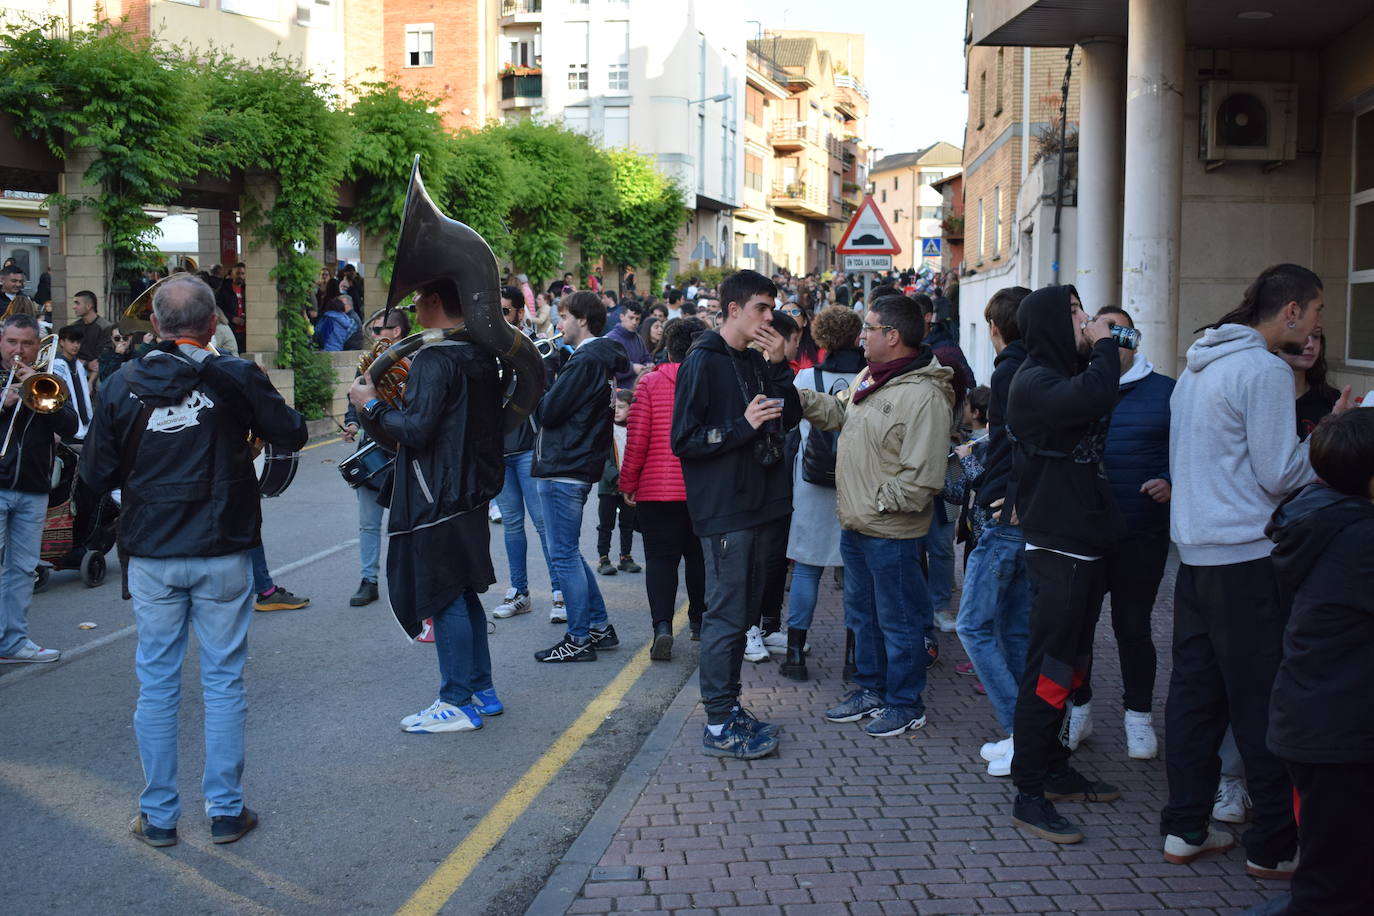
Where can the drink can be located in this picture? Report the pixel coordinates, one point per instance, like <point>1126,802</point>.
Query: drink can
<point>1126,338</point>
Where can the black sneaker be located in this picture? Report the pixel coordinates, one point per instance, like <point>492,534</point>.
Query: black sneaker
<point>736,740</point>
<point>754,725</point>
<point>661,649</point>
<point>605,566</point>
<point>1035,814</point>
<point>605,639</point>
<point>567,650</point>
<point>279,599</point>
<point>153,836</point>
<point>366,594</point>
<point>228,828</point>
<point>858,704</point>
<point>1073,786</point>
<point>932,651</point>
<point>695,634</point>
<point>628,564</point>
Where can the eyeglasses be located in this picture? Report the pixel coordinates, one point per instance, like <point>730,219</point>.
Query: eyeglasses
<point>795,313</point>
<point>116,337</point>
<point>870,329</point>
<point>507,310</point>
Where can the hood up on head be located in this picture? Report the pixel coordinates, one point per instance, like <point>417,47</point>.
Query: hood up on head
<point>1305,523</point>
<point>1044,320</point>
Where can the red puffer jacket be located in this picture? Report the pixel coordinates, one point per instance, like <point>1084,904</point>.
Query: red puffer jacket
<point>650,472</point>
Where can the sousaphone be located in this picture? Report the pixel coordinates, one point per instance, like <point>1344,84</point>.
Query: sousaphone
<point>433,246</point>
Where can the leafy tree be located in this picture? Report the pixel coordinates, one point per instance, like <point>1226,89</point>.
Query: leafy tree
<point>648,212</point>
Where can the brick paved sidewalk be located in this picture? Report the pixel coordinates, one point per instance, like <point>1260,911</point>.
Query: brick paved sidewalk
<point>840,823</point>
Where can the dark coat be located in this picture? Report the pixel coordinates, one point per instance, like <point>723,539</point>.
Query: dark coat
<point>1322,706</point>
<point>1138,450</point>
<point>27,466</point>
<point>190,490</point>
<point>992,484</point>
<point>575,415</point>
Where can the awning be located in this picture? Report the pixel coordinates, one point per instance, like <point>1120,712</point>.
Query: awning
<point>22,232</point>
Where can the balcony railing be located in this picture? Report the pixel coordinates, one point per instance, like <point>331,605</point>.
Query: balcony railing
<point>798,195</point>
<point>512,7</point>
<point>522,87</point>
<point>789,133</point>
<point>845,81</point>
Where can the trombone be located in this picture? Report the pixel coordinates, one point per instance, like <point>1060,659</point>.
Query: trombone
<point>42,392</point>
<point>546,346</point>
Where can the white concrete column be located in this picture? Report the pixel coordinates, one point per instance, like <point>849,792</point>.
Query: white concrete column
<point>1101,139</point>
<point>1154,175</point>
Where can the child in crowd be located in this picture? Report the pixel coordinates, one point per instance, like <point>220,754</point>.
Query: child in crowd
<point>609,501</point>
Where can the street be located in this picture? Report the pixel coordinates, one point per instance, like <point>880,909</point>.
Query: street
<point>355,814</point>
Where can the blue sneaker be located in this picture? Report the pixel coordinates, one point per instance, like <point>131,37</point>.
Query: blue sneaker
<point>486,702</point>
<point>893,720</point>
<point>861,702</point>
<point>445,717</point>
<point>767,729</point>
<point>737,740</point>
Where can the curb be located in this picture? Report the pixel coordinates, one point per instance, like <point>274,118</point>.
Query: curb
<point>575,868</point>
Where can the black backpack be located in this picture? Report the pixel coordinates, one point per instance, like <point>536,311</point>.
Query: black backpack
<point>818,456</point>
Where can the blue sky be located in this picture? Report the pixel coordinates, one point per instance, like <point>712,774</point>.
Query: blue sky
<point>915,61</point>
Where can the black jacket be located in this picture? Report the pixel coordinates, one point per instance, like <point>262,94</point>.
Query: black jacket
<point>574,416</point>
<point>448,432</point>
<point>992,484</point>
<point>27,466</point>
<point>190,490</point>
<point>1058,412</point>
<point>727,488</point>
<point>1322,706</point>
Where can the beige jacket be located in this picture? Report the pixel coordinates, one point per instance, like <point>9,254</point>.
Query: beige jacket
<point>893,449</point>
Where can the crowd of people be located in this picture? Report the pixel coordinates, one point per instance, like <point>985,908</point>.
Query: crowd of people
<point>753,435</point>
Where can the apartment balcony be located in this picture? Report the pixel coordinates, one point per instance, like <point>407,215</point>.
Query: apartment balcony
<point>522,90</point>
<point>808,201</point>
<point>787,134</point>
<point>515,11</point>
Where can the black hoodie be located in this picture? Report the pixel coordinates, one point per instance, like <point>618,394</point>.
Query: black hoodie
<point>1322,706</point>
<point>27,465</point>
<point>1058,412</point>
<point>191,490</point>
<point>992,485</point>
<point>727,488</point>
<point>574,416</point>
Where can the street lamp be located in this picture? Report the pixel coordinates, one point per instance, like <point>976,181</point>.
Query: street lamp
<point>722,97</point>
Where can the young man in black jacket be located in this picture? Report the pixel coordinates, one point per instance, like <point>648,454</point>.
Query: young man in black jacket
<point>1321,711</point>
<point>171,431</point>
<point>570,453</point>
<point>447,430</point>
<point>733,408</point>
<point>25,477</point>
<point>1058,411</point>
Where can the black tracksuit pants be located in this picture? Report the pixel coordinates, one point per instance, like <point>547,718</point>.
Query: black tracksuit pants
<point>1334,876</point>
<point>607,505</point>
<point>668,541</point>
<point>1228,642</point>
<point>1132,572</point>
<point>1062,621</point>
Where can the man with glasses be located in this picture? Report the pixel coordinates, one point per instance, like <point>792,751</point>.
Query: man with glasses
<point>390,326</point>
<point>889,471</point>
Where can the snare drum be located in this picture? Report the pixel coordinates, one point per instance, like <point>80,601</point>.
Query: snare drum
<point>365,466</point>
<point>276,468</point>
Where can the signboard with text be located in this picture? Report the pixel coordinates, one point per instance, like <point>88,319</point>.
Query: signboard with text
<point>859,262</point>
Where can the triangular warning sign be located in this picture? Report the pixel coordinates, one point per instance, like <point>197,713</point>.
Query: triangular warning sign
<point>868,232</point>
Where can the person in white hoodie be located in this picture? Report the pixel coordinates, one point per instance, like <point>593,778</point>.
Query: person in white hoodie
<point>1233,457</point>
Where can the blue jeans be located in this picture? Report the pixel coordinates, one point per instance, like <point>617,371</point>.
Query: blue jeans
<point>994,616</point>
<point>21,537</point>
<point>262,579</point>
<point>369,533</point>
<point>214,596</point>
<point>887,605</point>
<point>518,495</point>
<point>938,547</point>
<point>562,503</point>
<point>460,642</point>
<point>806,586</point>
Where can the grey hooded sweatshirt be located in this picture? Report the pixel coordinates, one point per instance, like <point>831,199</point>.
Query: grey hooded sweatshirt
<point>1233,453</point>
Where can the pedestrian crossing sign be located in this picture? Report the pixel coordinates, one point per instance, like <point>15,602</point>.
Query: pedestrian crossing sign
<point>930,248</point>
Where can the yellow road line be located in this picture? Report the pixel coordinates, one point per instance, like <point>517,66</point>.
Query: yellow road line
<point>431,896</point>
<point>332,440</point>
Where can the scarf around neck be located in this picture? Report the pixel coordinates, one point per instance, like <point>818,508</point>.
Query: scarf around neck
<point>879,374</point>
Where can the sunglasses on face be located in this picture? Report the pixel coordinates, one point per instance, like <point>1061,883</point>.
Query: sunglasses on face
<point>507,310</point>
<point>116,337</point>
<point>793,312</point>
<point>377,330</point>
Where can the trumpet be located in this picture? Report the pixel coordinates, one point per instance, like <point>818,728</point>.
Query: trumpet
<point>547,345</point>
<point>42,392</point>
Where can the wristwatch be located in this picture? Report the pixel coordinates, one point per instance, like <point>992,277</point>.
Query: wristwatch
<point>370,408</point>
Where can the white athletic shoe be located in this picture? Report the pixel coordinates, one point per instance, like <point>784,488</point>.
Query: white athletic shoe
<point>515,603</point>
<point>419,717</point>
<point>944,620</point>
<point>1080,725</point>
<point>1179,851</point>
<point>30,652</point>
<point>1002,765</point>
<point>559,613</point>
<point>1141,742</point>
<point>445,717</point>
<point>1233,802</point>
<point>754,649</point>
<point>996,750</point>
<point>776,642</point>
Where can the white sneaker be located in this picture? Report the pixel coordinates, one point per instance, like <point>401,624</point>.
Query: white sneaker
<point>754,649</point>
<point>419,717</point>
<point>1233,802</point>
<point>776,642</point>
<point>30,652</point>
<point>944,620</point>
<point>445,717</point>
<point>1179,851</point>
<point>515,603</point>
<point>1080,725</point>
<point>996,750</point>
<point>1280,872</point>
<point>559,614</point>
<point>1002,765</point>
<point>1141,742</point>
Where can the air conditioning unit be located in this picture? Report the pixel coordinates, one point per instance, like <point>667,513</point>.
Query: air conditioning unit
<point>1248,121</point>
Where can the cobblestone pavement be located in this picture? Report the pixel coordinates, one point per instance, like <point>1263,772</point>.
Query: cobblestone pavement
<point>840,823</point>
